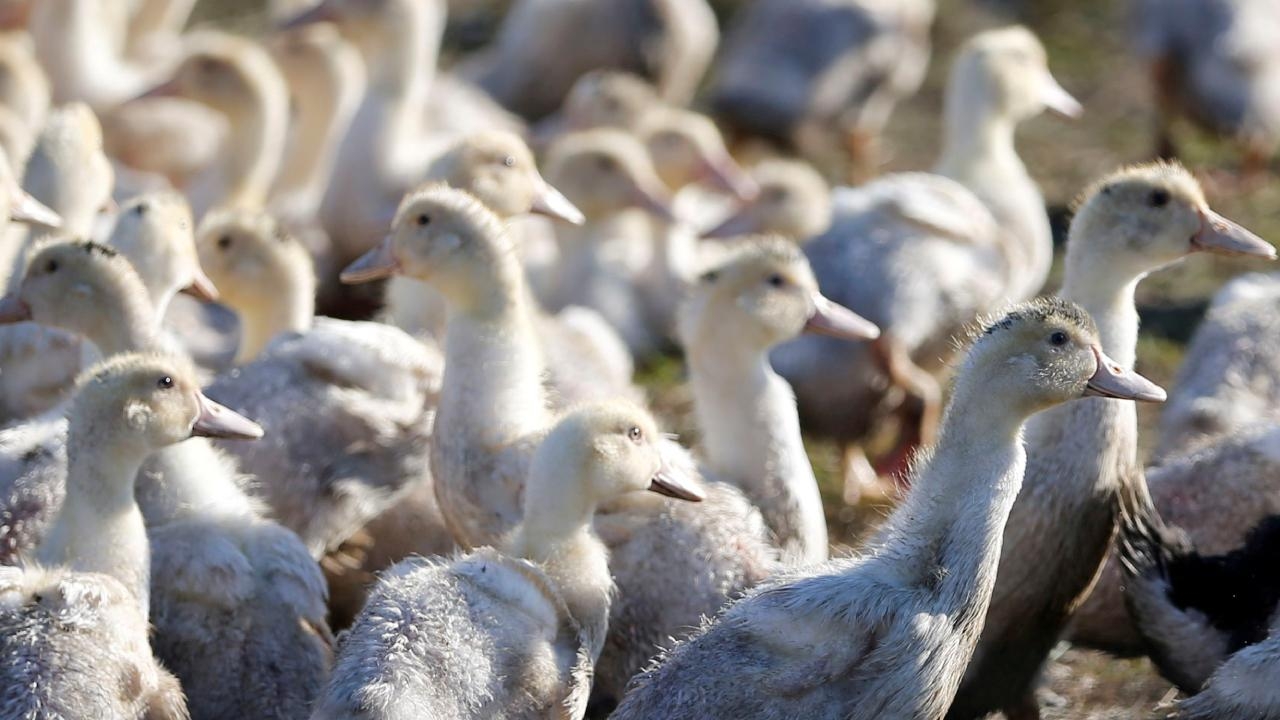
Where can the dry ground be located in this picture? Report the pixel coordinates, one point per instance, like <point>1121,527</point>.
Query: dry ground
<point>1089,52</point>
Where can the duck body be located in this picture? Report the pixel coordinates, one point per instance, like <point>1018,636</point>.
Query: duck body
<point>433,621</point>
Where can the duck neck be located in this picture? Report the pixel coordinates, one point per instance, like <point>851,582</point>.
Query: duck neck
<point>1106,291</point>
<point>255,145</point>
<point>751,436</point>
<point>947,534</point>
<point>99,527</point>
<point>492,388</point>
<point>977,139</point>
<point>322,115</point>
<point>134,326</point>
<point>291,308</point>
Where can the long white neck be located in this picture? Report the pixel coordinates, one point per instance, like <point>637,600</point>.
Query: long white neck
<point>78,53</point>
<point>977,139</point>
<point>751,436</point>
<point>492,387</point>
<point>1107,293</point>
<point>323,115</point>
<point>291,308</point>
<point>99,528</point>
<point>255,144</point>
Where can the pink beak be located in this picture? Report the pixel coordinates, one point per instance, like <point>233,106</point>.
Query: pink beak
<point>1224,237</point>
<point>1112,381</point>
<point>376,264</point>
<point>218,421</point>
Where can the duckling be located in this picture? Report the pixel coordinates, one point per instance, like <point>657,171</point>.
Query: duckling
<point>154,231</point>
<point>493,411</point>
<point>369,389</point>
<point>68,171</point>
<point>541,51</point>
<point>606,172</point>
<point>811,71</point>
<point>77,623</point>
<point>1129,224</point>
<point>1212,63</point>
<point>532,615</point>
<point>891,629</point>
<point>792,200</point>
<point>886,234</point>
<point>761,296</point>
<point>236,77</point>
<point>599,98</point>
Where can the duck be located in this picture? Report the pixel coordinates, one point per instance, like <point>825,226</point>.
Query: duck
<point>1211,63</point>
<point>599,98</point>
<point>891,229</point>
<point>1216,424</point>
<point>763,294</point>
<point>369,389</point>
<point>540,51</point>
<point>690,157</point>
<point>493,411</point>
<point>155,232</point>
<point>215,555</point>
<point>821,75</point>
<point>1204,619</point>
<point>77,621</point>
<point>237,78</point>
<point>80,46</point>
<point>888,632</point>
<point>605,173</point>
<point>532,614</point>
<point>1130,223</point>
<point>792,199</point>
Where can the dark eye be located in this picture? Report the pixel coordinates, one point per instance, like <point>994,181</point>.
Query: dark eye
<point>1158,198</point>
<point>164,383</point>
<point>1058,338</point>
<point>51,266</point>
<point>424,219</point>
<point>509,161</point>
<point>140,209</point>
<point>777,280</point>
<point>224,242</point>
<point>710,276</point>
<point>604,164</point>
<point>636,435</point>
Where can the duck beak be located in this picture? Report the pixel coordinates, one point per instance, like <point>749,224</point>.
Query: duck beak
<point>24,208</point>
<point>376,264</point>
<point>1058,99</point>
<point>218,421</point>
<point>551,202</point>
<point>201,288</point>
<point>1219,235</point>
<point>13,310</point>
<point>835,320</point>
<point>723,174</point>
<point>653,202</point>
<point>320,12</point>
<point>1112,381</point>
<point>673,485</point>
<point>168,88</point>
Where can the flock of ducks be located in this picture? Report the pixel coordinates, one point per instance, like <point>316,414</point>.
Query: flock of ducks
<point>429,486</point>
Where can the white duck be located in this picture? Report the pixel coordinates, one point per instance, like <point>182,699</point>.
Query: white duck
<point>607,173</point>
<point>921,254</point>
<point>1131,223</point>
<point>78,624</point>
<point>760,296</point>
<point>80,45</point>
<point>493,412</point>
<point>236,77</point>
<point>792,200</point>
<point>368,389</point>
<point>515,630</point>
<point>888,633</point>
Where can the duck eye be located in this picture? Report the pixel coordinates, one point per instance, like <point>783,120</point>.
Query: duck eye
<point>1158,198</point>
<point>635,434</point>
<point>777,280</point>
<point>509,161</point>
<point>710,276</point>
<point>51,266</point>
<point>224,242</point>
<point>423,220</point>
<point>165,382</point>
<point>604,164</point>
<point>1058,338</point>
<point>140,209</point>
